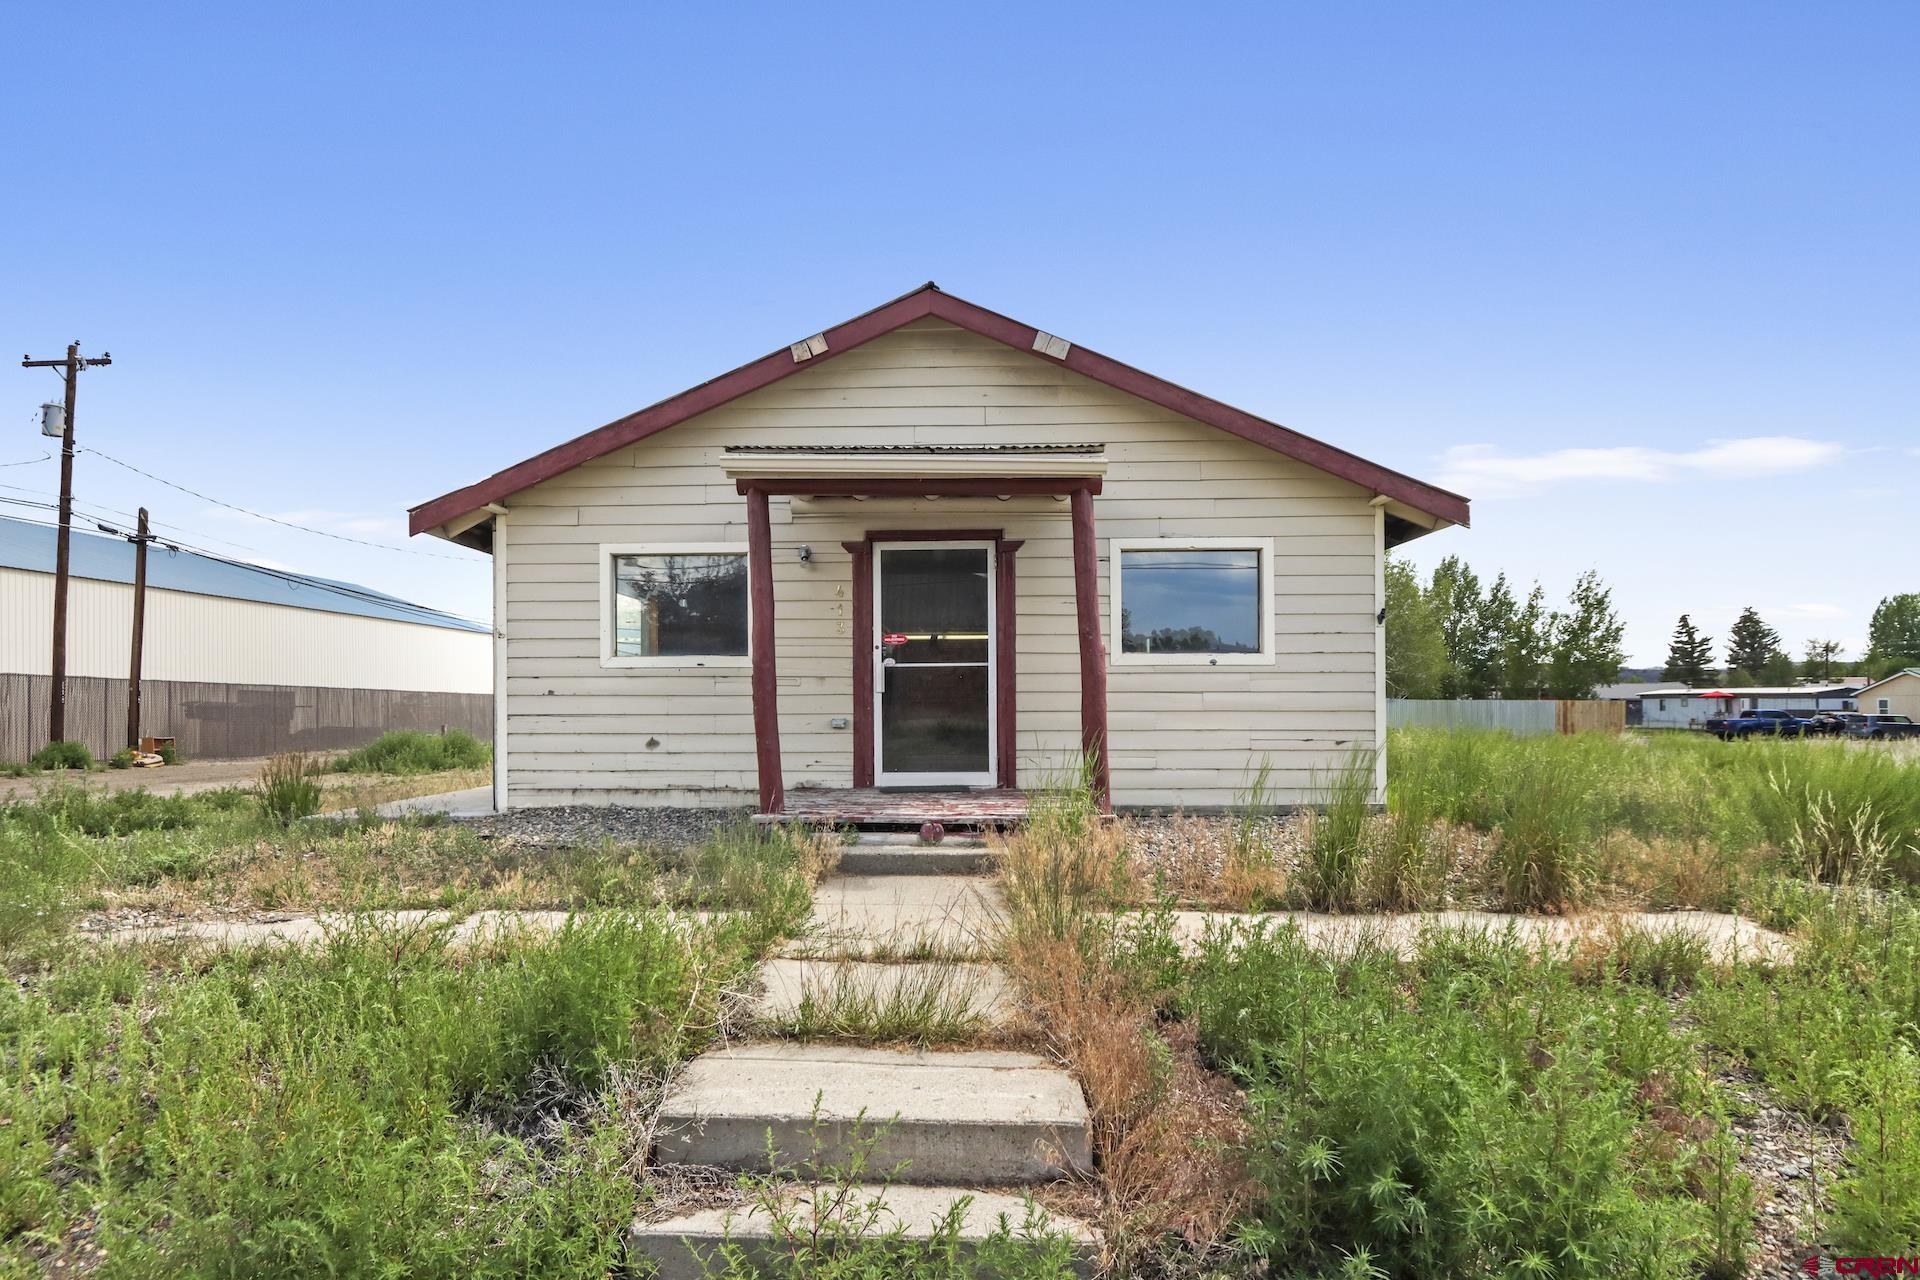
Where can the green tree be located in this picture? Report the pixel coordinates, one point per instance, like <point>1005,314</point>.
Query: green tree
<point>1689,655</point>
<point>1523,649</point>
<point>1751,644</point>
<point>1821,657</point>
<point>1416,649</point>
<point>1894,632</point>
<point>1779,669</point>
<point>1587,648</point>
<point>1455,596</point>
<point>1494,622</point>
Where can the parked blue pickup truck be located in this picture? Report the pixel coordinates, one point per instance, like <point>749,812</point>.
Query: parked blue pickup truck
<point>1782,724</point>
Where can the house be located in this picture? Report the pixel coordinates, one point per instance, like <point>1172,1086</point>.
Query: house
<point>935,549</point>
<point>1898,695</point>
<point>1691,708</point>
<point>238,660</point>
<point>1631,694</point>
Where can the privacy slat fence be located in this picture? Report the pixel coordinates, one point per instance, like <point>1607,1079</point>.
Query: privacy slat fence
<point>229,721</point>
<point>1517,717</point>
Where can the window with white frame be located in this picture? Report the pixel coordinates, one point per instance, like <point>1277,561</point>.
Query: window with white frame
<point>1886,705</point>
<point>673,605</point>
<point>1206,600</point>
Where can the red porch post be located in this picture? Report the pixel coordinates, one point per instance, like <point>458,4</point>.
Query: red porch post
<point>1093,654</point>
<point>766,683</point>
<point>862,553</point>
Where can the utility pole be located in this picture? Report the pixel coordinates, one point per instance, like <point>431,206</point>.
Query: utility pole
<point>140,541</point>
<point>71,365</point>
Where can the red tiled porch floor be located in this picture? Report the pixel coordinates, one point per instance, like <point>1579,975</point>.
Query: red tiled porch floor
<point>871,807</point>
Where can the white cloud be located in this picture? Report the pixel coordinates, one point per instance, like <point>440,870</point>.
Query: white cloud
<point>1480,469</point>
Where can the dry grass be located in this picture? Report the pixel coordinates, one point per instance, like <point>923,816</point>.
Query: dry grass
<point>1166,1132</point>
<point>351,791</point>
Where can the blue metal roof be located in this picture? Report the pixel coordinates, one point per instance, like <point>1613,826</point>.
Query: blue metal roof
<point>26,545</point>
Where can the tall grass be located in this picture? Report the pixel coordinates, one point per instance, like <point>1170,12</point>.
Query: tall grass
<point>376,1107</point>
<point>1333,877</point>
<point>409,751</point>
<point>288,789</point>
<point>1835,810</point>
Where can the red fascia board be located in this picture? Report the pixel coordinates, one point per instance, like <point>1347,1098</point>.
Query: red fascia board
<point>658,417</point>
<point>1168,395</point>
<point>922,302</point>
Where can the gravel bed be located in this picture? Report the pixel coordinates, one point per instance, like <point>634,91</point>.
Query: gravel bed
<point>1189,852</point>
<point>586,826</point>
<point>1793,1162</point>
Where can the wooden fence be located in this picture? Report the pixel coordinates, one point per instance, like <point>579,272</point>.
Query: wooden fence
<point>1524,718</point>
<point>229,721</point>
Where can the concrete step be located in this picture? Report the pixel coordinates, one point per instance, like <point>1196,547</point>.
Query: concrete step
<point>940,1117</point>
<point>901,917</point>
<point>852,991</point>
<point>893,854</point>
<point>686,1247</point>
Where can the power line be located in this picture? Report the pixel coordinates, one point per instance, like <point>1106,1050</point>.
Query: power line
<point>45,457</point>
<point>322,533</point>
<point>295,580</point>
<point>94,513</point>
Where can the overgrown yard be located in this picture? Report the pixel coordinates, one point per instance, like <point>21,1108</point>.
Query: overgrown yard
<point>390,1103</point>
<point>387,1103</point>
<point>1616,1107</point>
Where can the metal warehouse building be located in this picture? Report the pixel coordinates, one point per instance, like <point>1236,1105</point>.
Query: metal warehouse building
<point>238,660</point>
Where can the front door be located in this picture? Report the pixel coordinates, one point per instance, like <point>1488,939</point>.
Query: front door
<point>933,657</point>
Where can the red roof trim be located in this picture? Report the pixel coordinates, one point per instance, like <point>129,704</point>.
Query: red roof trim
<point>928,300</point>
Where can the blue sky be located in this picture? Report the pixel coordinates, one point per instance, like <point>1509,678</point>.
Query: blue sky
<point>1640,279</point>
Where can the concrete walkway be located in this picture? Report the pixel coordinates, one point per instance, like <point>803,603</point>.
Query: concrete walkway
<point>474,802</point>
<point>958,1129</point>
<point>1727,938</point>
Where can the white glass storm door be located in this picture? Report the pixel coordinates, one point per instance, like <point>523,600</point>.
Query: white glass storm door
<point>933,664</point>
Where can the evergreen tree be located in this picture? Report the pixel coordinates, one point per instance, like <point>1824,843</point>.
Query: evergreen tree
<point>1894,634</point>
<point>1587,648</point>
<point>1455,597</point>
<point>1689,655</point>
<point>1523,650</point>
<point>1416,649</point>
<point>1750,645</point>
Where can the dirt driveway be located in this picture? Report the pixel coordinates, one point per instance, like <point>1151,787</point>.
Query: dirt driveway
<point>206,775</point>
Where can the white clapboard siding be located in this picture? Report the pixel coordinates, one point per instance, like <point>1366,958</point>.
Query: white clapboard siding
<point>1189,735</point>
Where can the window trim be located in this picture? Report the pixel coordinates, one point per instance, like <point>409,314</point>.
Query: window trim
<point>1263,546</point>
<point>612,661</point>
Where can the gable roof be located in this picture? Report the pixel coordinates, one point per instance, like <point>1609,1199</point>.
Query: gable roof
<point>1904,671</point>
<point>930,300</point>
<point>27,545</point>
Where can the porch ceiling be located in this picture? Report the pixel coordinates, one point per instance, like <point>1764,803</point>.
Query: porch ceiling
<point>769,466</point>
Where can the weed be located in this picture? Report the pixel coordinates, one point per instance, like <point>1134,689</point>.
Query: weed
<point>287,788</point>
<point>1476,1110</point>
<point>372,1101</point>
<point>406,751</point>
<point>937,1002</point>
<point>63,755</point>
<point>1334,875</point>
